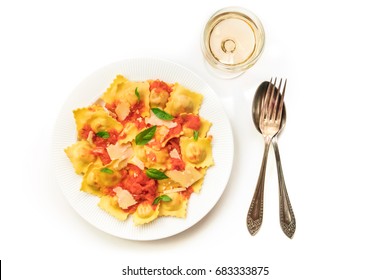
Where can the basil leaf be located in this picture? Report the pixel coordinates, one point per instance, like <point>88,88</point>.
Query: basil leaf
<point>162,114</point>
<point>145,136</point>
<point>163,198</point>
<point>155,174</point>
<point>196,135</point>
<point>137,94</point>
<point>107,170</point>
<point>103,134</point>
<point>156,200</point>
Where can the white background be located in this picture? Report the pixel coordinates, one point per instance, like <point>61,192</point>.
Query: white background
<point>334,149</point>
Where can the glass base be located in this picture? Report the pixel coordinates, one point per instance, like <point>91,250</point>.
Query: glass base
<point>220,73</point>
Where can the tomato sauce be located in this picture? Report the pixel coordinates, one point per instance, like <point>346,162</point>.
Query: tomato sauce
<point>84,132</point>
<point>175,131</point>
<point>191,121</point>
<point>139,185</point>
<point>135,116</point>
<point>100,143</point>
<point>187,193</point>
<point>111,107</point>
<point>111,140</point>
<point>172,144</point>
<point>102,153</point>
<point>159,86</point>
<point>176,164</point>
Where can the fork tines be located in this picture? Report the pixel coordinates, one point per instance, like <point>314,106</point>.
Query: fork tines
<point>273,100</point>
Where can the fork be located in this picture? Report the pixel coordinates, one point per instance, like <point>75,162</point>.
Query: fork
<point>270,124</point>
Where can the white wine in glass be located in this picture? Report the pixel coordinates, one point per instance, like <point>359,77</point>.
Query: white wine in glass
<point>233,41</point>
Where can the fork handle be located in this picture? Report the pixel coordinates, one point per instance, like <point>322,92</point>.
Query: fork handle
<point>254,218</point>
<point>286,213</point>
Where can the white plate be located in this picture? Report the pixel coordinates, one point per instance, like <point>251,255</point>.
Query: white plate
<point>216,178</point>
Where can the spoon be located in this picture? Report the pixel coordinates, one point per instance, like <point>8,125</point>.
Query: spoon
<point>286,214</point>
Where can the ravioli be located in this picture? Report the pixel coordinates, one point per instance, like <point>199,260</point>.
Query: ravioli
<point>159,93</point>
<point>99,178</point>
<point>142,148</point>
<point>177,207</point>
<point>126,94</point>
<point>156,159</point>
<point>197,186</point>
<point>204,127</point>
<point>145,214</point>
<point>128,133</point>
<point>96,118</point>
<point>110,205</point>
<point>81,155</point>
<point>197,153</point>
<point>182,100</point>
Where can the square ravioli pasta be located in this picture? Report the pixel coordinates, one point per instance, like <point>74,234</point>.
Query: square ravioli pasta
<point>142,148</point>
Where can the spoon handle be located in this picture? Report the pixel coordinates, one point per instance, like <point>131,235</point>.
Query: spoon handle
<point>254,218</point>
<point>286,214</point>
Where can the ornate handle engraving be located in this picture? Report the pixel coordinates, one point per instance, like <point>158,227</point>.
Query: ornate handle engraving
<point>286,213</point>
<point>255,214</point>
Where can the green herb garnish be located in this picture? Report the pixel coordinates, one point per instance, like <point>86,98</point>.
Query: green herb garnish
<point>155,174</point>
<point>145,136</point>
<point>137,94</point>
<point>163,198</point>
<point>107,170</point>
<point>196,135</point>
<point>162,114</point>
<point>103,134</point>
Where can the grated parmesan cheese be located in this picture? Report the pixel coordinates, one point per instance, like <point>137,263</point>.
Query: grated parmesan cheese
<point>185,178</point>
<point>136,161</point>
<point>174,154</point>
<point>122,110</point>
<point>125,198</point>
<point>174,190</point>
<point>154,120</point>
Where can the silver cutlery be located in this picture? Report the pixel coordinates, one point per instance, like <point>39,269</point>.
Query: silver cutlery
<point>269,116</point>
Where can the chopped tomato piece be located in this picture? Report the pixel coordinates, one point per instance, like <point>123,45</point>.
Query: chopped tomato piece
<point>159,86</point>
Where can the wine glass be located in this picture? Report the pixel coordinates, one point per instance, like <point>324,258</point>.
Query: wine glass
<point>232,41</point>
